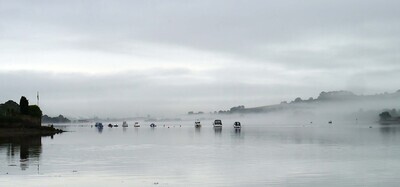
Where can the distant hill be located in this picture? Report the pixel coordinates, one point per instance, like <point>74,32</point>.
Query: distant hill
<point>340,100</point>
<point>58,119</point>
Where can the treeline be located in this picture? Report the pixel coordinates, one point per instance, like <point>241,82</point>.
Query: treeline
<point>58,119</point>
<point>389,116</point>
<point>13,114</point>
<point>324,97</point>
<point>13,109</point>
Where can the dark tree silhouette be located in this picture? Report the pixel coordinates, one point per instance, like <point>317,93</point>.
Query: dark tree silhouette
<point>35,111</point>
<point>297,100</point>
<point>385,115</point>
<point>24,105</point>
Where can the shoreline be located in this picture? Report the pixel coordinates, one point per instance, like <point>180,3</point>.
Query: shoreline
<point>20,131</point>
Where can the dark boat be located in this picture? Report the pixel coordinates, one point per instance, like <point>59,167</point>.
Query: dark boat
<point>217,123</point>
<point>237,125</point>
<point>98,125</point>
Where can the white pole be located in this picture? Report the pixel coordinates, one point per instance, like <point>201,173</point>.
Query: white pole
<point>37,97</point>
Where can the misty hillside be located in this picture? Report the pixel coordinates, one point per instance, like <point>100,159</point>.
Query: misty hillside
<point>339,103</point>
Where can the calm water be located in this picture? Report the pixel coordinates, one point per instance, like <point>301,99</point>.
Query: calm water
<point>261,154</point>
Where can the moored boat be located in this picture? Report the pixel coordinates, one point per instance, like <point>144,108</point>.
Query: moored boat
<point>197,124</point>
<point>153,125</point>
<point>124,124</point>
<point>237,125</point>
<point>98,125</point>
<point>136,124</point>
<point>217,123</point>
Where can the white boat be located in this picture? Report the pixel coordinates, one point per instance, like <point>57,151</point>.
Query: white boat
<point>153,125</point>
<point>217,123</point>
<point>124,124</point>
<point>237,125</point>
<point>197,124</point>
<point>136,124</point>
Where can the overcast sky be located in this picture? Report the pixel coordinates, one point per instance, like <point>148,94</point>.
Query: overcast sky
<point>133,58</point>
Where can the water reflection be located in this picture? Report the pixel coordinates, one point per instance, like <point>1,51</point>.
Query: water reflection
<point>390,130</point>
<point>28,148</point>
<point>237,135</point>
<point>218,130</point>
<point>100,130</point>
<point>197,129</point>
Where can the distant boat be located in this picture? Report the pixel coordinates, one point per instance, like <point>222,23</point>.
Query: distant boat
<point>217,123</point>
<point>330,122</point>
<point>124,124</point>
<point>197,124</point>
<point>115,125</point>
<point>110,125</point>
<point>98,125</point>
<point>237,125</point>
<point>136,124</point>
<point>153,125</point>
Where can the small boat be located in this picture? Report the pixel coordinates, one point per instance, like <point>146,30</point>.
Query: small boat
<point>197,124</point>
<point>98,125</point>
<point>136,124</point>
<point>110,125</point>
<point>330,122</point>
<point>153,125</point>
<point>217,123</point>
<point>115,125</point>
<point>237,125</point>
<point>124,124</point>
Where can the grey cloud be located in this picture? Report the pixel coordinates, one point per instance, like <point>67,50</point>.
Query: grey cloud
<point>232,27</point>
<point>271,51</point>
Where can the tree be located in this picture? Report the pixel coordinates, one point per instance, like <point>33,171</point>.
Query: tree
<point>35,111</point>
<point>24,105</point>
<point>239,108</point>
<point>297,100</point>
<point>385,115</point>
<point>9,108</point>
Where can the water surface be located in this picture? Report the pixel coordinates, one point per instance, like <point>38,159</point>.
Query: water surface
<point>260,154</point>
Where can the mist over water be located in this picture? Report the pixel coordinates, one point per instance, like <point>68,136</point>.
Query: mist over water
<point>265,152</point>
<point>308,80</point>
